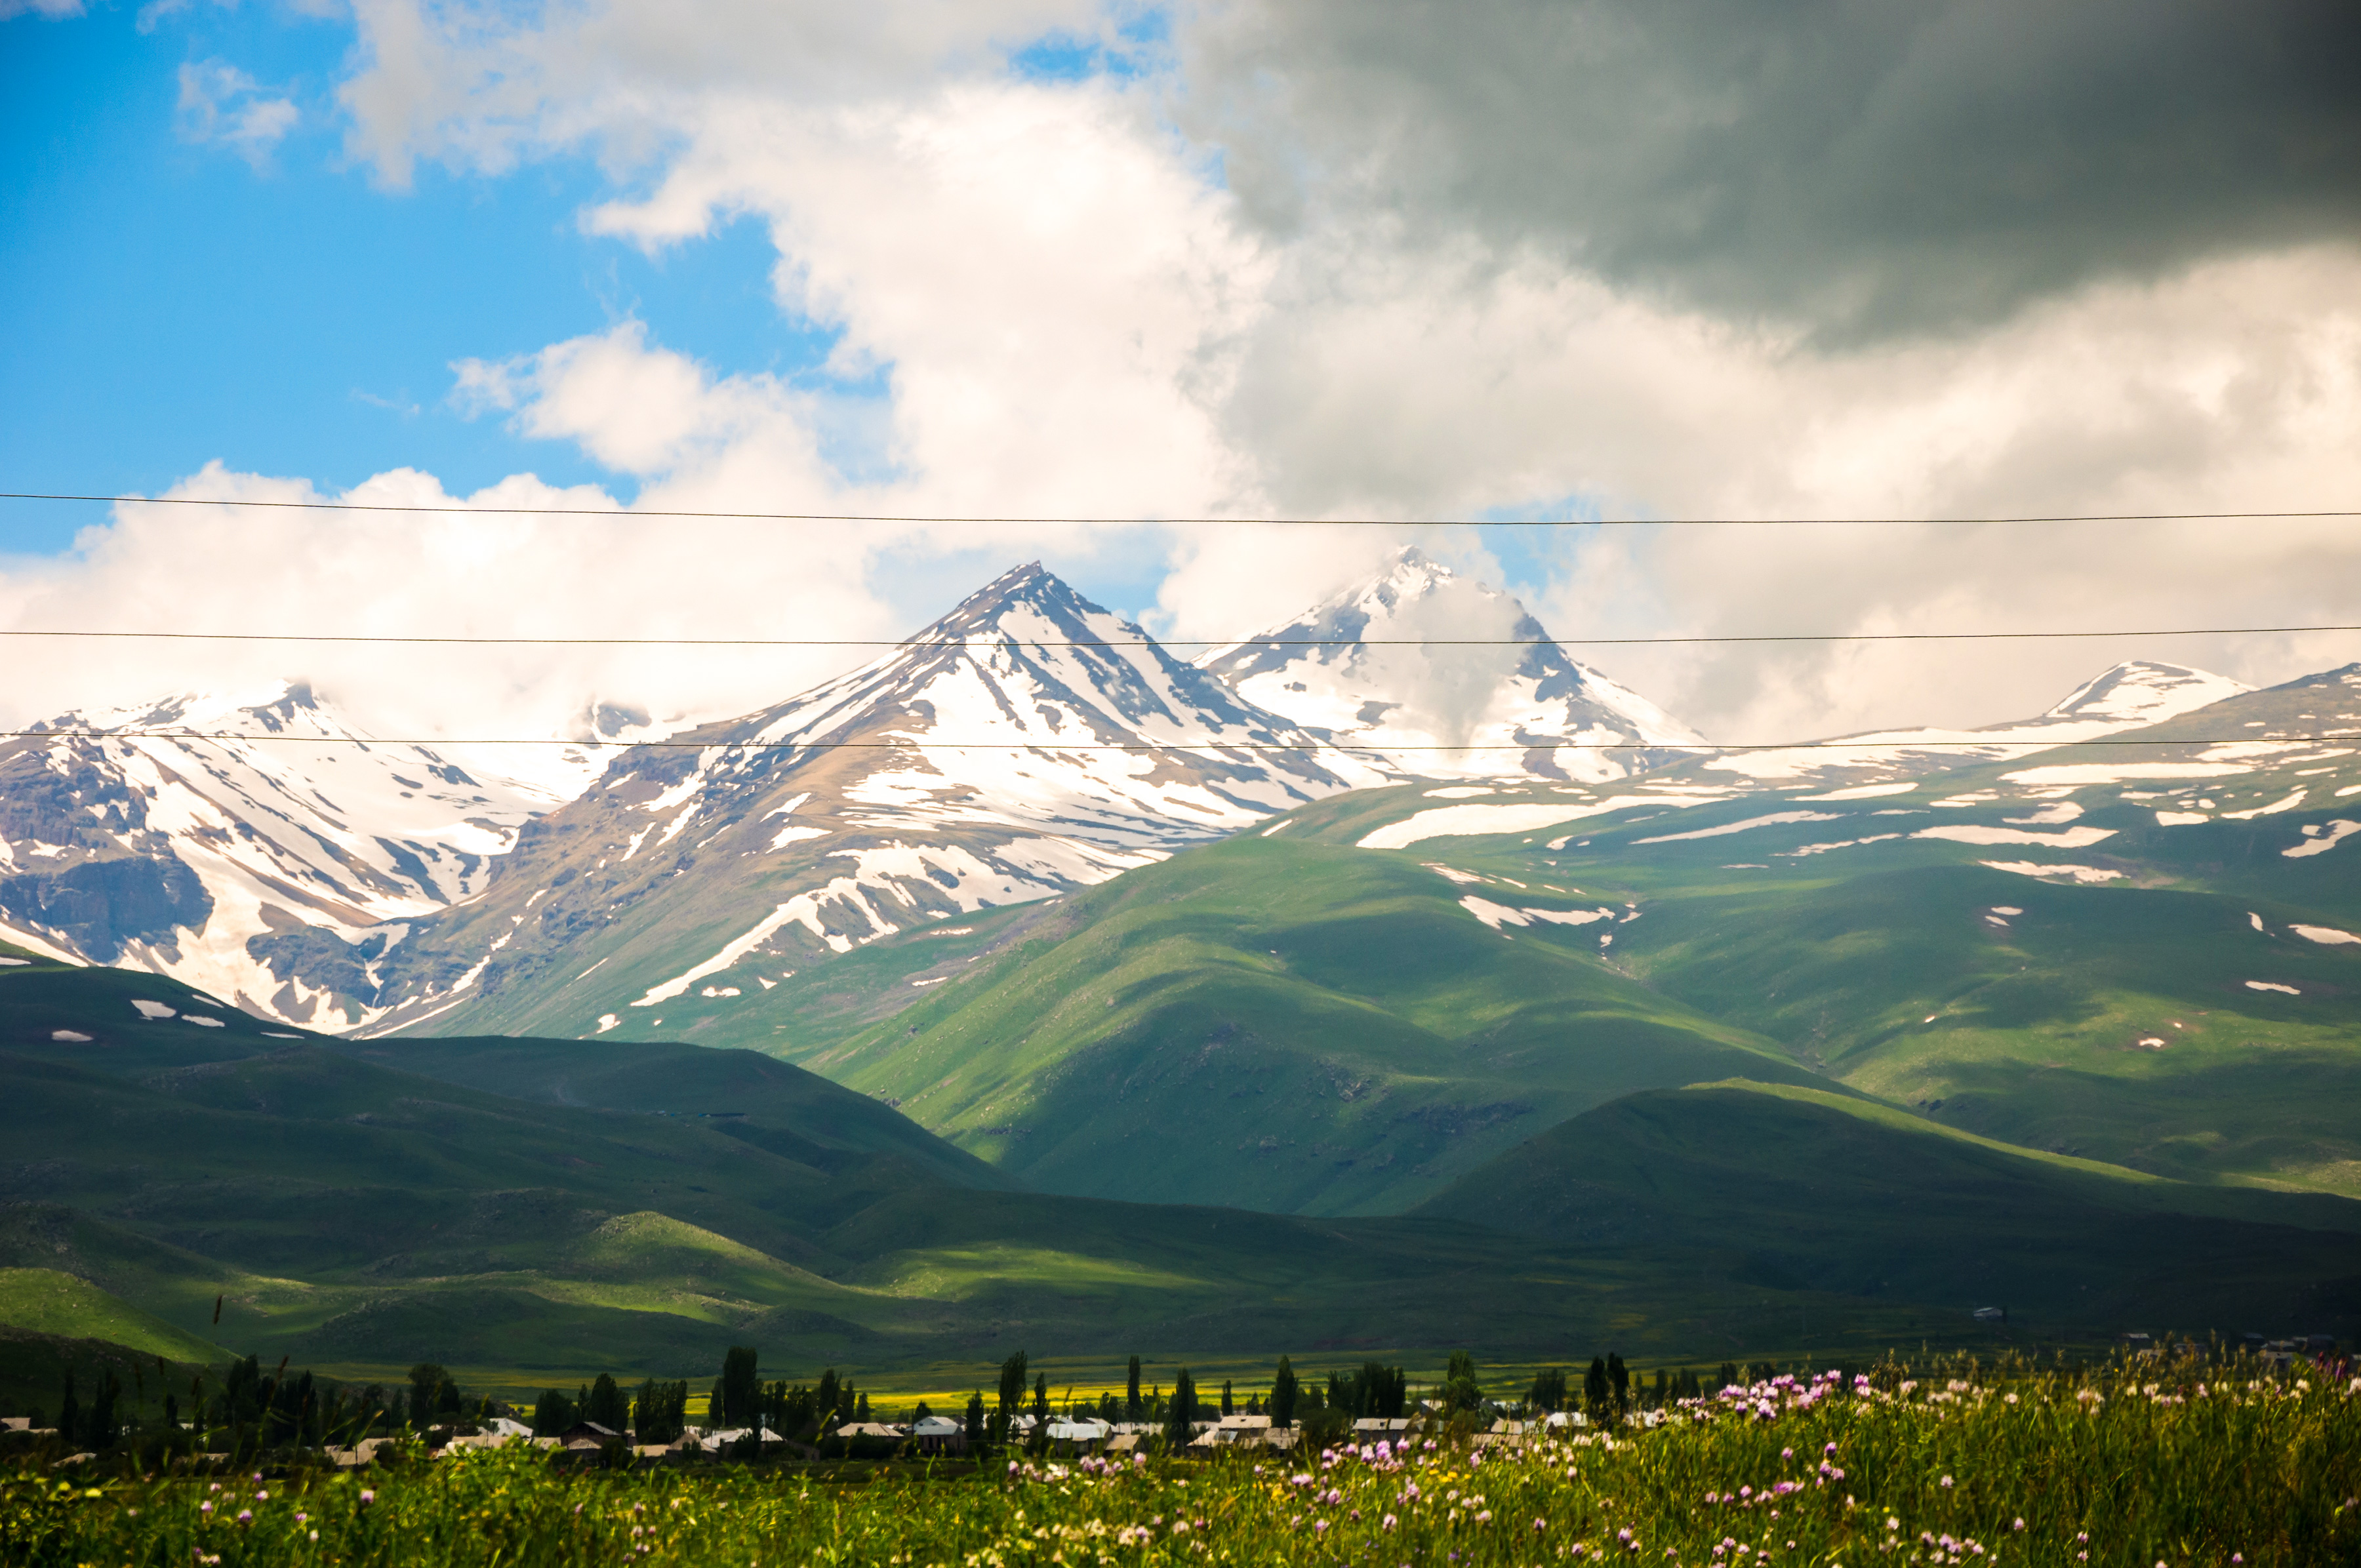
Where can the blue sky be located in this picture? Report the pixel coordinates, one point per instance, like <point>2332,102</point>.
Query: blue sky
<point>1112,270</point>
<point>167,304</point>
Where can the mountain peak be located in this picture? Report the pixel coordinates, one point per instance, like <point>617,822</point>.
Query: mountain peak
<point>1442,674</point>
<point>1031,587</point>
<point>2146,691</point>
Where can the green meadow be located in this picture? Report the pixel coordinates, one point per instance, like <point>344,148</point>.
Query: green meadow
<point>2134,1464</point>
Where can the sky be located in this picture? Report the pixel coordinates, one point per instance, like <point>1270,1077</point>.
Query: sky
<point>1505,260</point>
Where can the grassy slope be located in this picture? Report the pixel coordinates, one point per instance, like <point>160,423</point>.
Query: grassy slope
<point>1901,986</point>
<point>738,1093</point>
<point>1283,1026</point>
<point>355,1215</point>
<point>46,1301</point>
<point>1840,956</point>
<point>1799,1188</point>
<point>33,1368</point>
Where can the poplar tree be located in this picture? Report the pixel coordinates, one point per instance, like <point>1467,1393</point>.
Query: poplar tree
<point>1182,1411</point>
<point>741,1385</point>
<point>1131,1393</point>
<point>1460,1389</point>
<point>1012,1392</point>
<point>1283,1391</point>
<point>606,1405</point>
<point>1595,1393</point>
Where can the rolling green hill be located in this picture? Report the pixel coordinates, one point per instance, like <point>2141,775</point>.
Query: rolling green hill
<point>350,1213</point>
<point>1295,1027</point>
<point>1802,1189</point>
<point>65,1306</point>
<point>359,1215</point>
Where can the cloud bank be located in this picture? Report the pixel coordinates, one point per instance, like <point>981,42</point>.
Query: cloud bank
<point>1374,261</point>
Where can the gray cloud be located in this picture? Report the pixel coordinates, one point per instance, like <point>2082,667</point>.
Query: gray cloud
<point>1858,168</point>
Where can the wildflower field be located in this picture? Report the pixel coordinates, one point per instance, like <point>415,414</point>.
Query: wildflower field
<point>2183,1467</point>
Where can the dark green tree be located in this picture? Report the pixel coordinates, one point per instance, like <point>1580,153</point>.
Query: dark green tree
<point>68,1413</point>
<point>1012,1395</point>
<point>740,1384</point>
<point>100,1424</point>
<point>1549,1389</point>
<point>1284,1390</point>
<point>1131,1392</point>
<point>975,1418</point>
<point>1619,1378</point>
<point>1597,1395</point>
<point>1040,1397</point>
<point>426,1381</point>
<point>1460,1389</point>
<point>824,1399</point>
<point>606,1406</point>
<point>1181,1412</point>
<point>552,1413</point>
<point>1229,1407</point>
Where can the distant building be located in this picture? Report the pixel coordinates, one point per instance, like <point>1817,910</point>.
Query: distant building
<point>939,1434</point>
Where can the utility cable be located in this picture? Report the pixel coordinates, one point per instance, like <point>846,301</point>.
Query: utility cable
<point>934,645</point>
<point>1701,747</point>
<point>626,514</point>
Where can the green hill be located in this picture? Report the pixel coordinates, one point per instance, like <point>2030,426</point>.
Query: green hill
<point>1803,1189</point>
<point>45,1301</point>
<point>1296,1027</point>
<point>33,1368</point>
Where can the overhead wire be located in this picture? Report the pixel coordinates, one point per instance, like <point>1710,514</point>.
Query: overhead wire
<point>937,645</point>
<point>627,514</point>
<point>916,743</point>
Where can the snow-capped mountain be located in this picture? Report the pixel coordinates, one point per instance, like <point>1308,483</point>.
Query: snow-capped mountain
<point>255,845</point>
<point>1412,670</point>
<point>2131,696</point>
<point>1027,742</point>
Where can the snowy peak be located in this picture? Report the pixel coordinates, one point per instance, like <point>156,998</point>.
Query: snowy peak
<point>2131,696</point>
<point>1437,675</point>
<point>222,837</point>
<point>1028,742</point>
<point>2141,691</point>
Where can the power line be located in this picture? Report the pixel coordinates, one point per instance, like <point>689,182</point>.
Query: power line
<point>624,514</point>
<point>1701,747</point>
<point>938,645</point>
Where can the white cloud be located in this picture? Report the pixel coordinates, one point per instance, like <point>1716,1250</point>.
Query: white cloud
<point>1050,304</point>
<point>51,10</point>
<point>223,106</point>
<point>229,567</point>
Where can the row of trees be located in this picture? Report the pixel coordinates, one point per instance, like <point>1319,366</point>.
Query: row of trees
<point>260,1410</point>
<point>249,1410</point>
<point>1609,1391</point>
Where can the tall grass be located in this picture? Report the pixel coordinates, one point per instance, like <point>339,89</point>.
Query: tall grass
<point>2117,1471</point>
